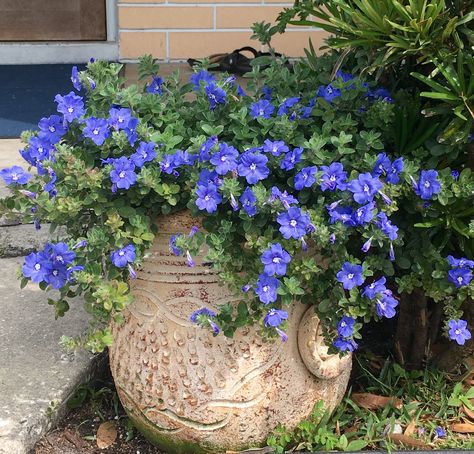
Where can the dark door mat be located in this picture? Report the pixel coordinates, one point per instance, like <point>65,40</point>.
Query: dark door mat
<point>27,94</point>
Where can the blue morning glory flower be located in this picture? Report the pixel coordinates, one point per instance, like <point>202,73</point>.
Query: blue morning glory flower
<point>204,311</point>
<point>385,225</point>
<point>342,214</point>
<point>286,105</point>
<point>96,129</point>
<point>394,171</point>
<point>169,163</point>
<point>350,276</point>
<point>75,79</point>
<point>154,87</point>
<point>267,92</point>
<point>175,250</point>
<point>293,223</point>
<point>15,175</point>
<point>131,131</point>
<point>333,177</point>
<point>51,129</point>
<point>367,245</point>
<point>122,175</point>
<point>253,167</point>
<point>56,276</point>
<point>455,174</point>
<point>291,158</point>
<point>202,75</point>
<point>382,165</point>
<point>275,259</point>
<point>458,331</point>
<point>50,187</point>
<point>380,94</point>
<point>262,108</point>
<point>305,178</point>
<point>345,327</point>
<point>248,200</point>
<point>60,253</point>
<point>345,344</point>
<point>145,153</point>
<point>364,214</point>
<point>266,288</point>
<point>364,188</point>
<point>328,92</point>
<point>185,158</point>
<point>385,307</point>
<point>275,317</point>
<point>124,255</point>
<point>460,277</point>
<point>215,94</point>
<point>286,199</point>
<point>36,266</point>
<point>40,149</point>
<point>428,184</point>
<point>460,263</point>
<point>440,432</point>
<point>119,118</point>
<point>225,159</point>
<point>70,105</point>
<point>207,177</point>
<point>208,198</point>
<point>275,148</point>
<point>377,287</point>
<point>206,147</point>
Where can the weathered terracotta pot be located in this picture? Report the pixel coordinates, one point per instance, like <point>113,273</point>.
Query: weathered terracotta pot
<point>189,392</point>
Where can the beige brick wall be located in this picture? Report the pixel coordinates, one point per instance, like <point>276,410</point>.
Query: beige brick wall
<point>180,29</point>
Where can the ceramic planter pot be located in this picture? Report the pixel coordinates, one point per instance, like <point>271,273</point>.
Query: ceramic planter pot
<point>189,392</point>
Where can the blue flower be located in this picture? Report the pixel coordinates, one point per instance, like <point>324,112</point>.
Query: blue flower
<point>248,200</point>
<point>394,171</point>
<point>460,263</point>
<point>455,174</point>
<point>123,175</point>
<point>175,250</point>
<point>305,178</point>
<point>15,175</point>
<point>440,432</point>
<point>385,307</point>
<point>71,106</point>
<point>342,214</point>
<point>384,166</point>
<point>185,158</point>
<point>131,130</point>
<point>275,259</point>
<point>208,198</point>
<point>203,317</point>
<point>345,344</point>
<point>40,149</point>
<point>154,87</point>
<point>275,317</point>
<point>206,147</point>
<point>202,75</point>
<point>377,287</point>
<point>364,188</point>
<point>169,163</point>
<point>266,288</point>
<point>119,118</point>
<point>345,327</point>
<point>36,266</point>
<point>460,277</point>
<point>291,158</point>
<point>286,199</point>
<point>350,276</point>
<point>385,225</point>
<point>286,105</point>
<point>225,159</point>
<point>380,94</point>
<point>262,108</point>
<point>97,129</point>
<point>145,153</point>
<point>333,177</point>
<point>428,184</point>
<point>275,148</point>
<point>51,129</point>
<point>60,253</point>
<point>328,92</point>
<point>364,214</point>
<point>75,79</point>
<point>215,94</point>
<point>458,331</point>
<point>124,255</point>
<point>57,276</point>
<point>267,92</point>
<point>207,177</point>
<point>346,77</point>
<point>253,167</point>
<point>293,223</point>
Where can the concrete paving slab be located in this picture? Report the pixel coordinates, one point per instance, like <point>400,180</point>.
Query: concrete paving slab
<point>36,376</point>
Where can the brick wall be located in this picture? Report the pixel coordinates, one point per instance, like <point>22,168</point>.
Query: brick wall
<point>180,29</point>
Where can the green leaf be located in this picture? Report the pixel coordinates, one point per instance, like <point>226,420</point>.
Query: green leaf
<point>356,445</point>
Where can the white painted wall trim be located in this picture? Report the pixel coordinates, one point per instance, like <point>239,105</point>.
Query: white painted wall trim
<point>31,53</point>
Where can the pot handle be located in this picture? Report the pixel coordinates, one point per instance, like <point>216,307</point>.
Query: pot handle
<point>314,351</point>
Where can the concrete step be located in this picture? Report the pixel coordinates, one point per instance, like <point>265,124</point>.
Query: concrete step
<point>36,376</point>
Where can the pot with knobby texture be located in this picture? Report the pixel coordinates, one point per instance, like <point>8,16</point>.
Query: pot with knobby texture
<point>189,392</point>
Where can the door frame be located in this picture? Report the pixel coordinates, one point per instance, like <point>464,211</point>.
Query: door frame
<point>31,53</point>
